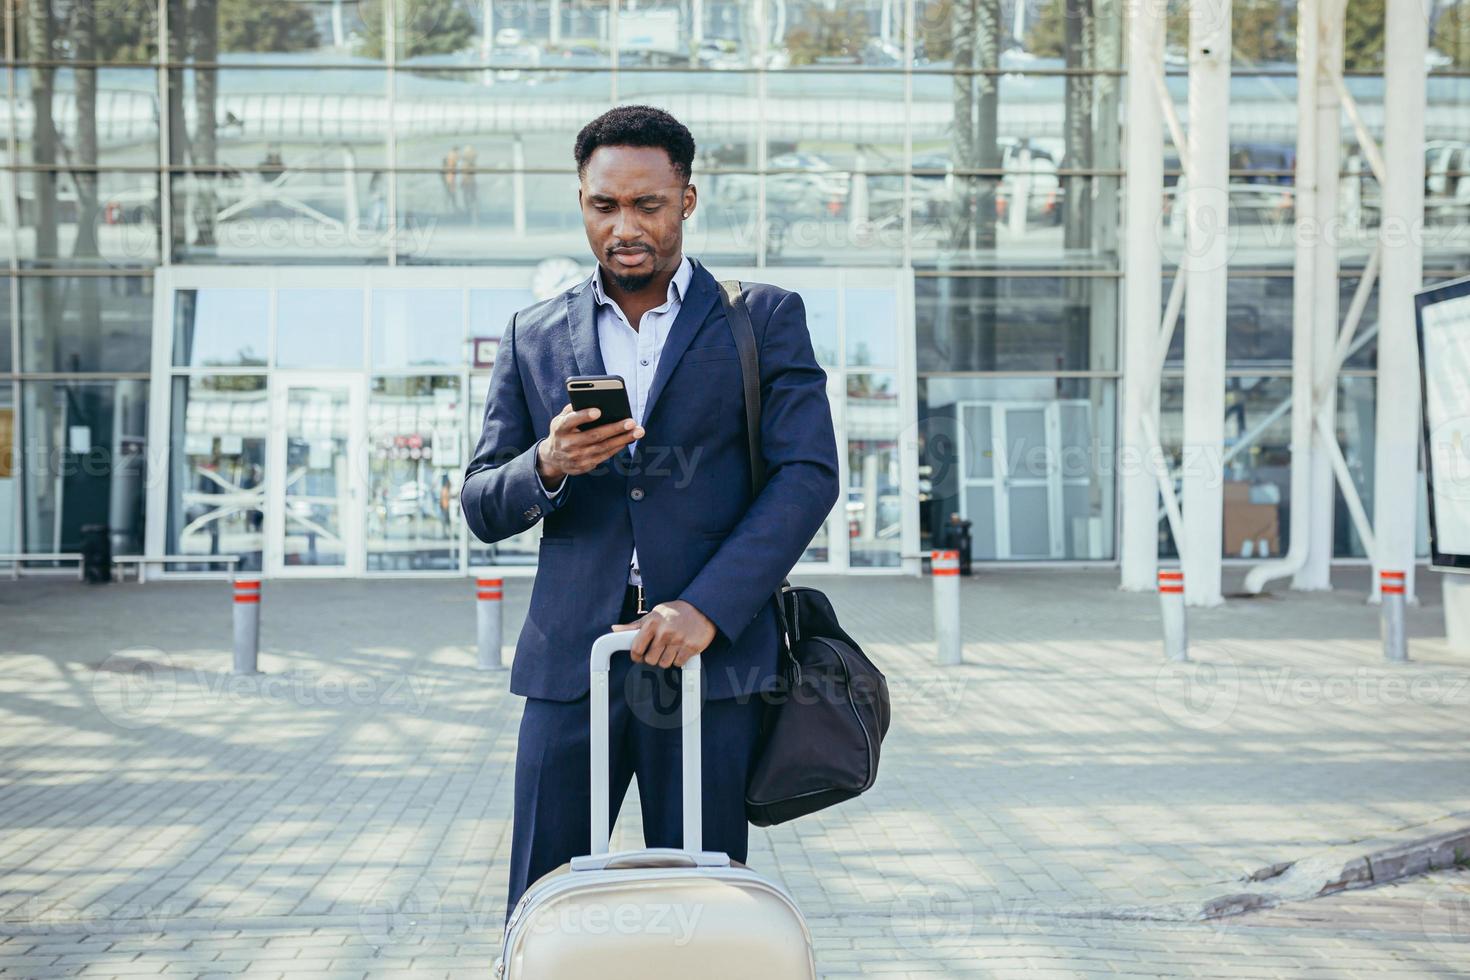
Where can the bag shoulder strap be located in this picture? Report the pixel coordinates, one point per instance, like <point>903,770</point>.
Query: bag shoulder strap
<point>732,297</point>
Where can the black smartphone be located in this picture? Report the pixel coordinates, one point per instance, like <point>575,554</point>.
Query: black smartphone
<point>604,391</point>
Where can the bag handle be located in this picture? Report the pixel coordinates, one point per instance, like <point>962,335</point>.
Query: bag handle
<point>732,297</point>
<point>691,695</point>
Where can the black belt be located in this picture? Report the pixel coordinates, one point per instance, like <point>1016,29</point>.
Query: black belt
<point>633,606</point>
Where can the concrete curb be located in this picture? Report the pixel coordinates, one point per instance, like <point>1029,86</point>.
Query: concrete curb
<point>1442,843</point>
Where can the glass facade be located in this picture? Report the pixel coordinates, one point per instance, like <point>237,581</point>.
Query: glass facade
<point>258,256</point>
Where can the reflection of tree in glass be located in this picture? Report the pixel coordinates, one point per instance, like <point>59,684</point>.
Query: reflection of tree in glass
<point>249,25</point>
<point>420,27</point>
<point>826,35</point>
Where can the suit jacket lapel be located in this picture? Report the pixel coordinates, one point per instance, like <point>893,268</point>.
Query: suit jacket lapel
<point>582,329</point>
<point>692,313</point>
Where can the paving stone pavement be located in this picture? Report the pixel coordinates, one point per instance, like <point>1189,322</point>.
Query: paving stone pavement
<point>346,813</point>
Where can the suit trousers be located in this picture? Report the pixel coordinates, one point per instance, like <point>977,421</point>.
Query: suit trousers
<point>553,821</point>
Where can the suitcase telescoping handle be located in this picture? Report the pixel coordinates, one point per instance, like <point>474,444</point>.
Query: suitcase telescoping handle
<point>690,703</point>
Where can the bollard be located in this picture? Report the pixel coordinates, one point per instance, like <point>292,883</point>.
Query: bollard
<point>946,568</point>
<point>1171,605</point>
<point>1391,616</point>
<point>489,594</point>
<point>247,625</point>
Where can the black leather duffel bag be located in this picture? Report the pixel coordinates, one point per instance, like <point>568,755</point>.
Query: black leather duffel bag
<point>822,731</point>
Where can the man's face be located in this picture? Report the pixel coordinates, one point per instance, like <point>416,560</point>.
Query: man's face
<point>633,204</point>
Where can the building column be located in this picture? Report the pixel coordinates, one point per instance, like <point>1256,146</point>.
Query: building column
<point>1396,453</point>
<point>1317,523</point>
<point>1205,263</point>
<point>1143,155</point>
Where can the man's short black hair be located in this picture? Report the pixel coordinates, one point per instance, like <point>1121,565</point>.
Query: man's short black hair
<point>638,125</point>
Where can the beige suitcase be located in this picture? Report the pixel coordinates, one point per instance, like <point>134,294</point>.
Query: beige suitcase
<point>654,912</point>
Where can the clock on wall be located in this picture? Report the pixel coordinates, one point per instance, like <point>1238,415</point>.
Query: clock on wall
<point>555,275</point>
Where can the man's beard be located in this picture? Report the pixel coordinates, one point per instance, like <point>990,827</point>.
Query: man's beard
<point>629,282</point>
<point>632,284</point>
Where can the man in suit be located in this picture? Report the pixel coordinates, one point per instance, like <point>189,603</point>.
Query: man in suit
<point>647,524</point>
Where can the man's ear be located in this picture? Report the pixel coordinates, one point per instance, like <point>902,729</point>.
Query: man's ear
<point>691,198</point>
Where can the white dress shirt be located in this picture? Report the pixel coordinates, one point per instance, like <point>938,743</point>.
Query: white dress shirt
<point>633,354</point>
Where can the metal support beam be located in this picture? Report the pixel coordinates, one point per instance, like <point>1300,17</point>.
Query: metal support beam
<point>1142,288</point>
<point>1316,522</point>
<point>1205,262</point>
<point>1396,456</point>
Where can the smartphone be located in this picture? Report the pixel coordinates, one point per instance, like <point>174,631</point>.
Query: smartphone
<point>604,391</point>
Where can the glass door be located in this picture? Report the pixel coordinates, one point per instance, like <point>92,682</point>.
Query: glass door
<point>1023,464</point>
<point>315,513</point>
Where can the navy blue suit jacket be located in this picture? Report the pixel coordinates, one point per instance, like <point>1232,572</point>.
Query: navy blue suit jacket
<point>683,497</point>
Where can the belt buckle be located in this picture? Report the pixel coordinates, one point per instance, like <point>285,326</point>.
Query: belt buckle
<point>640,610</point>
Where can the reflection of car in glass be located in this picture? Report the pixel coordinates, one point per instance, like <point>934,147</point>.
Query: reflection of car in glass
<point>1251,205</point>
<point>1447,180</point>
<point>414,499</point>
<point>1027,164</point>
<point>889,516</point>
<point>800,184</point>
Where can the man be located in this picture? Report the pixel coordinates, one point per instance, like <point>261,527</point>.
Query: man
<point>649,524</point>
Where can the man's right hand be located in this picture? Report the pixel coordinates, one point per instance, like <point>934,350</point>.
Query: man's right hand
<point>567,451</point>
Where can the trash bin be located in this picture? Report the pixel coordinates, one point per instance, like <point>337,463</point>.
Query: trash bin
<point>961,540</point>
<point>96,553</point>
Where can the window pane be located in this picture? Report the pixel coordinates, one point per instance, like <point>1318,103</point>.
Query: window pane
<point>324,31</point>
<point>529,119</point>
<point>121,32</point>
<point>6,326</point>
<point>217,486</point>
<point>1027,461</point>
<point>86,218</point>
<point>415,438</point>
<point>821,323</point>
<point>1356,434</point>
<point>846,140</point>
<point>872,328</point>
<point>874,501</point>
<point>319,328</point>
<point>221,327</point>
<point>127,116</point>
<point>294,217</point>
<point>518,549</point>
<point>516,36</point>
<point>85,323</point>
<point>850,34</point>
<point>279,119</point>
<point>491,310</point>
<point>1016,323</point>
<point>84,463</point>
<point>9,468</point>
<point>417,328</point>
<point>1257,466</point>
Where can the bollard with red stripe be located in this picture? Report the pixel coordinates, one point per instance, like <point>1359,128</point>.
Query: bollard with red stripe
<point>489,597</point>
<point>1391,617</point>
<point>1171,606</point>
<point>247,624</point>
<point>946,568</point>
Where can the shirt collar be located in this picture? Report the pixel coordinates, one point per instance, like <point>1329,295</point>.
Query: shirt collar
<point>678,286</point>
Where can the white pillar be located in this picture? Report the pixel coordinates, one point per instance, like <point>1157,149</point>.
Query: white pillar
<point>1206,257</point>
<point>1143,162</point>
<point>1396,456</point>
<point>1317,521</point>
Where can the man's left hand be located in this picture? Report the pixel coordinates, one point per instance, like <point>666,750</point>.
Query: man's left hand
<point>669,634</point>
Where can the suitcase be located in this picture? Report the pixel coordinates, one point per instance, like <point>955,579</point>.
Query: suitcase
<point>653,912</point>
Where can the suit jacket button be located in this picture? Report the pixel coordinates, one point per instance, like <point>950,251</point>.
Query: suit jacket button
<point>636,493</point>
